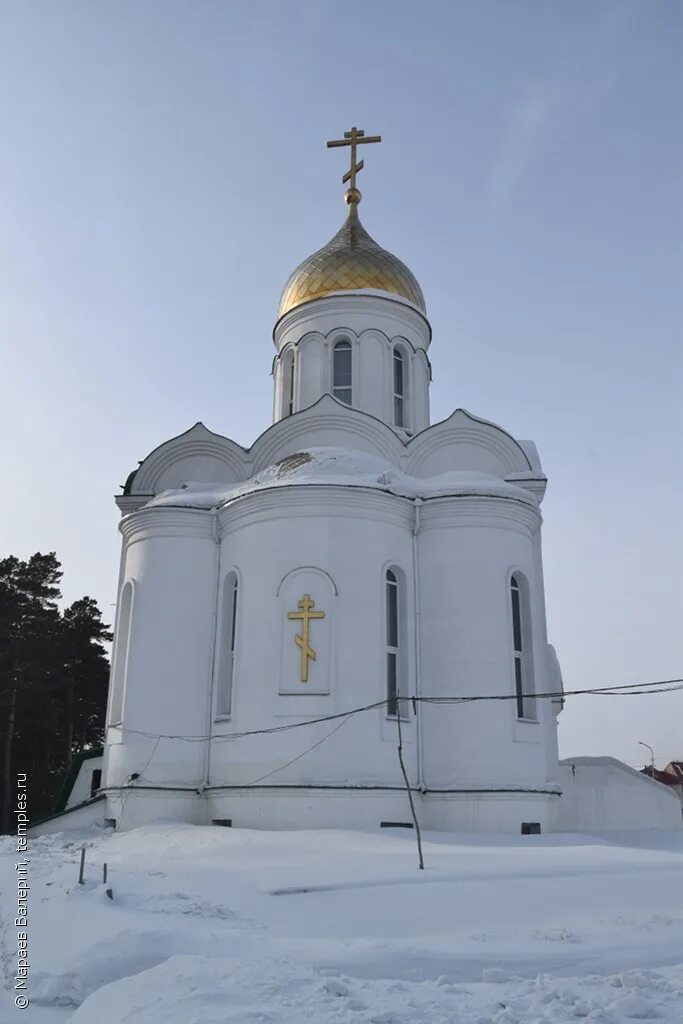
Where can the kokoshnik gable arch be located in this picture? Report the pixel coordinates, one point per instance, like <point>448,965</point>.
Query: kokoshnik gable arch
<point>354,555</point>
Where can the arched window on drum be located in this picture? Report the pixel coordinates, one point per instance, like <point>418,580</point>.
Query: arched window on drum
<point>288,374</point>
<point>342,371</point>
<point>399,369</point>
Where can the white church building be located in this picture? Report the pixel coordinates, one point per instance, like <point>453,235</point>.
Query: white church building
<point>357,558</point>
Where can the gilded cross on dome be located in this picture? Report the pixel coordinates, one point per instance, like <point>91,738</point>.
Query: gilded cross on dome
<point>351,260</point>
<point>356,137</point>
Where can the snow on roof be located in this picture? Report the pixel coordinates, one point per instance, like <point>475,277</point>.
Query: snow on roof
<point>342,467</point>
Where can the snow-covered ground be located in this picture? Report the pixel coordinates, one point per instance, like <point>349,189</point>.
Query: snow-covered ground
<point>212,925</point>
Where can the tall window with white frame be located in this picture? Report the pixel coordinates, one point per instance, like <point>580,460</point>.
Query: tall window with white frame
<point>288,368</point>
<point>521,645</point>
<point>121,654</point>
<point>394,641</point>
<point>399,378</point>
<point>342,387</point>
<point>226,661</point>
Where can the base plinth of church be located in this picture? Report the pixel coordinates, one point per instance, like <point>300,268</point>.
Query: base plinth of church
<point>330,807</point>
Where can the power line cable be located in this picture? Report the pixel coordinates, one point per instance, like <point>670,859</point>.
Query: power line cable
<point>622,690</point>
<point>134,776</point>
<point>299,756</point>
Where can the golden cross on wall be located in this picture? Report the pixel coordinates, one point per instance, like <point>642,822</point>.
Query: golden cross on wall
<point>302,639</point>
<point>356,137</point>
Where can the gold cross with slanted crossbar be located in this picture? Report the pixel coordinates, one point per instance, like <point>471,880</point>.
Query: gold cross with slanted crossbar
<point>306,604</point>
<point>356,137</point>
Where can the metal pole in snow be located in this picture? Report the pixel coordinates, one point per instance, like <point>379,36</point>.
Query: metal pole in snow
<point>652,756</point>
<point>416,823</point>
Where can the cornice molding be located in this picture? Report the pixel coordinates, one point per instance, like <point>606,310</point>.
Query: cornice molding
<point>534,484</point>
<point>355,303</point>
<point>480,511</point>
<point>128,503</point>
<point>328,339</point>
<point>313,501</point>
<point>165,521</point>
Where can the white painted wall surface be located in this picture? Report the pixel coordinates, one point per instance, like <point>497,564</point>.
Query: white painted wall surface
<point>75,820</point>
<point>333,543</point>
<point>172,559</point>
<point>601,793</point>
<point>468,549</point>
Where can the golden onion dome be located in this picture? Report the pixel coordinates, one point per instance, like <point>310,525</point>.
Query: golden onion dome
<point>351,261</point>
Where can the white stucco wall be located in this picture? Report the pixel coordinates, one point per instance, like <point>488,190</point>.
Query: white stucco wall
<point>601,793</point>
<point>334,544</point>
<point>468,548</point>
<point>172,561</point>
<point>72,820</point>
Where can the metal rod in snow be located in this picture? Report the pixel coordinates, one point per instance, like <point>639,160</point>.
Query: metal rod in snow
<point>104,874</point>
<point>82,868</point>
<point>416,823</point>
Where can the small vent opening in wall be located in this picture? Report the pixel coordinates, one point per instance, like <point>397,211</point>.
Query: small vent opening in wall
<point>531,828</point>
<point>396,824</point>
<point>225,822</point>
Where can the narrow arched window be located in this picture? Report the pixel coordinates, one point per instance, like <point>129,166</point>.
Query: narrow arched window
<point>395,641</point>
<point>521,647</point>
<point>288,369</point>
<point>226,660</point>
<point>399,379</point>
<point>342,371</point>
<point>118,678</point>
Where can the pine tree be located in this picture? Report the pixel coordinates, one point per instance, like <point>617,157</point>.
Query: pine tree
<point>85,674</point>
<point>53,679</point>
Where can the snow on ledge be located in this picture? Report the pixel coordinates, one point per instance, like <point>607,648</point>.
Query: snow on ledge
<point>342,467</point>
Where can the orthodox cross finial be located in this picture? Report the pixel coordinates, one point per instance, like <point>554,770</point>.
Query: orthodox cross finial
<point>356,137</point>
<point>303,639</point>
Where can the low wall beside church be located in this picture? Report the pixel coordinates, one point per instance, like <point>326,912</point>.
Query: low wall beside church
<point>602,793</point>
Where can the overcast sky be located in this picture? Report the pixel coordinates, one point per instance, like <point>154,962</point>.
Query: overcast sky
<point>163,169</point>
